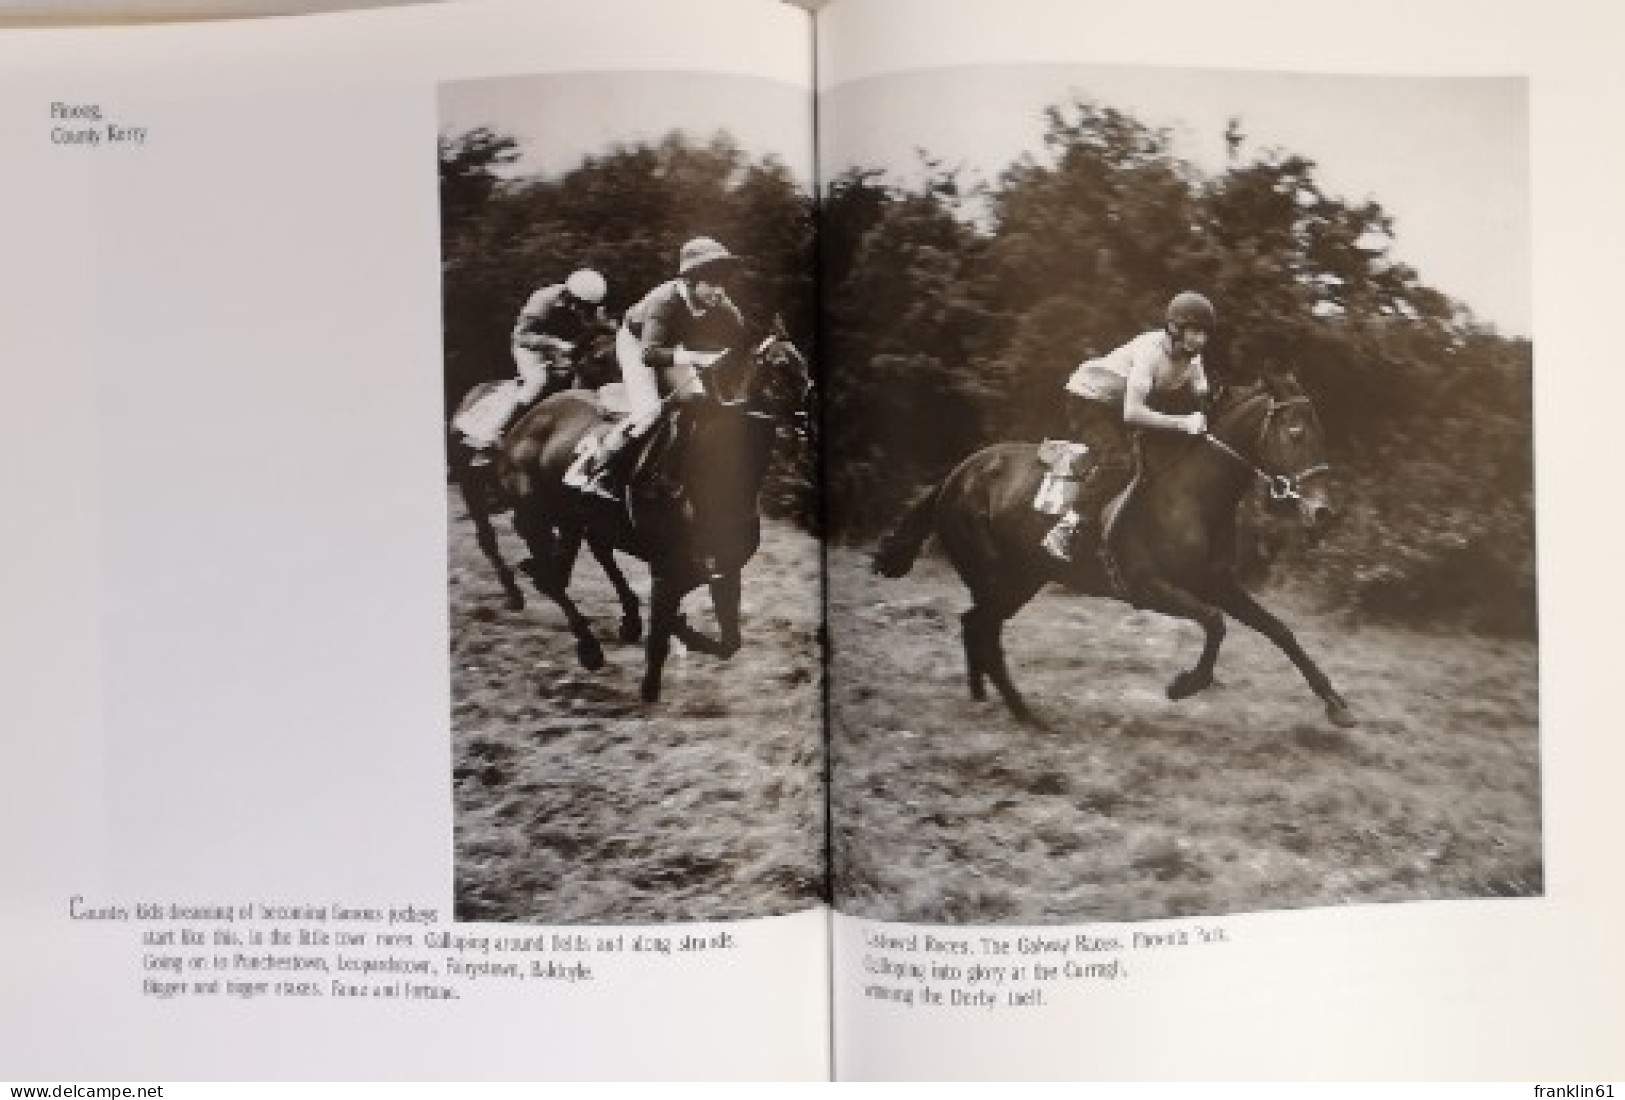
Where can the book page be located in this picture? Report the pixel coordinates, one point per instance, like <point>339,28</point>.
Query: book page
<point>1198,709</point>
<point>296,788</point>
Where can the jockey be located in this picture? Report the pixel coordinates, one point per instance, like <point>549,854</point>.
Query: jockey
<point>665,343</point>
<point>1114,394</point>
<point>545,333</point>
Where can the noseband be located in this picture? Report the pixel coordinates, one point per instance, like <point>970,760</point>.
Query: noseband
<point>1282,487</point>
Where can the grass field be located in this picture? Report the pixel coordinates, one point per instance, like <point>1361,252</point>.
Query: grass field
<point>574,802</point>
<point>1129,806</point>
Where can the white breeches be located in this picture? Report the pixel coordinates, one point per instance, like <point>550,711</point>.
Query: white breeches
<point>532,367</point>
<point>642,393</point>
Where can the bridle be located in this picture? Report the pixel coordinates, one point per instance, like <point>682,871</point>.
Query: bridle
<point>1281,487</point>
<point>742,398</point>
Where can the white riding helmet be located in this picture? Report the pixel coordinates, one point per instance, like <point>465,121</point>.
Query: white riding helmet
<point>587,286</point>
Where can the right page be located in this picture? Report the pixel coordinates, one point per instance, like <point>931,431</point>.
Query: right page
<point>1198,709</point>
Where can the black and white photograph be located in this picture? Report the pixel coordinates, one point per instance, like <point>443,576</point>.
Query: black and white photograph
<point>633,582</point>
<point>1179,492</point>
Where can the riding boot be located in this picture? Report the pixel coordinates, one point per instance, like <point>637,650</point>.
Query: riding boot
<point>603,473</point>
<point>1100,484</point>
<point>598,472</point>
<point>591,473</point>
<point>1063,535</point>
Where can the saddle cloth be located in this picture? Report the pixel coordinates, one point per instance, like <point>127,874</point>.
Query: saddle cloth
<point>482,421</point>
<point>1065,463</point>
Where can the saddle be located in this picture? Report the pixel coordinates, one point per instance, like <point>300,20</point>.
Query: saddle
<point>482,421</point>
<point>1067,466</point>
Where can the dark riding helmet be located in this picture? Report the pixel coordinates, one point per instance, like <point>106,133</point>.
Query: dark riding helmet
<point>1193,309</point>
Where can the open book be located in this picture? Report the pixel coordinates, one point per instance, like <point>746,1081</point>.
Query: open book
<point>560,540</point>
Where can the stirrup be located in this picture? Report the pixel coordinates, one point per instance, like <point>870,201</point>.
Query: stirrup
<point>592,482</point>
<point>1058,542</point>
<point>577,475</point>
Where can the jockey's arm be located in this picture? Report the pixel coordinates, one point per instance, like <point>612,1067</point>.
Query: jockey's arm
<point>663,350</point>
<point>1138,414</point>
<point>529,332</point>
<point>552,347</point>
<point>659,346</point>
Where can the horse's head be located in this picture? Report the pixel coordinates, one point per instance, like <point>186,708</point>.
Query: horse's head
<point>782,382</point>
<point>772,380</point>
<point>1272,425</point>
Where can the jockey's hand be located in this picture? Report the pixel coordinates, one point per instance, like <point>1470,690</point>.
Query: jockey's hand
<point>696,360</point>
<point>1193,424</point>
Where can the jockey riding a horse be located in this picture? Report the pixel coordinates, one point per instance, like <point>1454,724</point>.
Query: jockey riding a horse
<point>549,326</point>
<point>665,343</point>
<point>1114,393</point>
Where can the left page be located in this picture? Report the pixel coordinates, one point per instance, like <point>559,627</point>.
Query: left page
<point>296,787</point>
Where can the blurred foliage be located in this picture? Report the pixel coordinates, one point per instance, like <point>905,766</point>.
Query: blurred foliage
<point>625,213</point>
<point>953,315</point>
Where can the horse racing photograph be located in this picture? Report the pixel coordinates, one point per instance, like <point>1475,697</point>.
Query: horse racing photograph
<point>633,555</point>
<point>1179,493</point>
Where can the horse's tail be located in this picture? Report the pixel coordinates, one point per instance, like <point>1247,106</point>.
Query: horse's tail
<point>898,548</point>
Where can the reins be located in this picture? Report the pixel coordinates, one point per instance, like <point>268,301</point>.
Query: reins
<point>1282,487</point>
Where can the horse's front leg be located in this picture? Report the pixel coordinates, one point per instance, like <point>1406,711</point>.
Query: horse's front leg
<point>631,619</point>
<point>725,594</point>
<point>664,599</point>
<point>549,570</point>
<point>1170,599</point>
<point>1240,604</point>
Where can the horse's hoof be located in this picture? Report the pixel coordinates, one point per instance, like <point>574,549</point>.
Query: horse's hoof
<point>1341,715</point>
<point>726,650</point>
<point>650,692</point>
<point>631,631</point>
<point>515,601</point>
<point>1187,684</point>
<point>590,653</point>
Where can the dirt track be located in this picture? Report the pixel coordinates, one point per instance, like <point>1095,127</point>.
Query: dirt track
<point>575,803</point>
<point>1129,806</point>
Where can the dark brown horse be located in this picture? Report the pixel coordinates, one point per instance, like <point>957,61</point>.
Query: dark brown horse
<point>690,510</point>
<point>590,369</point>
<point>1172,545</point>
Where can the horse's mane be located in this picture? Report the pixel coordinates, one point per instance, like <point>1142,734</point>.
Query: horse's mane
<point>1229,398</point>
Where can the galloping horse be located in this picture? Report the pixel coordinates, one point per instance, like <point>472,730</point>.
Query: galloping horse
<point>590,368</point>
<point>1172,543</point>
<point>690,510</point>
